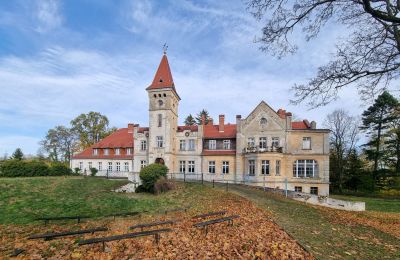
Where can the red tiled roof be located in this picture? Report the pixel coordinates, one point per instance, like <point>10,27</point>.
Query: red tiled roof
<point>119,139</point>
<point>163,77</point>
<point>192,128</point>
<point>142,129</point>
<point>301,125</point>
<point>212,131</point>
<point>219,152</point>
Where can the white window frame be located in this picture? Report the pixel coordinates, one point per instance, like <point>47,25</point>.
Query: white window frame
<point>251,142</point>
<point>80,165</point>
<point>100,165</point>
<point>263,142</point>
<point>159,141</point>
<point>182,145</point>
<point>143,163</point>
<point>106,151</point>
<point>298,188</point>
<point>300,166</point>
<point>191,166</point>
<point>225,167</point>
<point>192,145</point>
<point>212,144</point>
<point>275,142</point>
<point>252,167</point>
<point>126,166</point>
<point>306,143</point>
<point>143,145</point>
<point>182,166</point>
<point>117,151</point>
<point>265,167</point>
<point>110,166</point>
<point>129,151</point>
<point>314,188</point>
<point>95,151</point>
<point>227,144</point>
<point>90,164</point>
<point>277,167</point>
<point>211,167</point>
<point>118,166</point>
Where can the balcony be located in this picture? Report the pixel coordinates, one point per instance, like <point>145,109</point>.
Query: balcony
<point>268,149</point>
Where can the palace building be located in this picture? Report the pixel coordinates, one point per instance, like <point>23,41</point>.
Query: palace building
<point>266,148</point>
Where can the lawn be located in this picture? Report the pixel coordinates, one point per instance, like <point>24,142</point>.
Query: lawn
<point>326,233</point>
<point>374,204</point>
<point>24,199</point>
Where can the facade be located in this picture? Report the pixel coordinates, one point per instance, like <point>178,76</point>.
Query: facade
<point>266,148</point>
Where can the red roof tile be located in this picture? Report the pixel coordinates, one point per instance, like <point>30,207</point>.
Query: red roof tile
<point>163,77</point>
<point>192,128</point>
<point>301,125</point>
<point>143,129</point>
<point>119,139</point>
<point>212,131</point>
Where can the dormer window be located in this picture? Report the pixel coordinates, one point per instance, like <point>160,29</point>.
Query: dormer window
<point>95,151</point>
<point>106,151</point>
<point>117,151</point>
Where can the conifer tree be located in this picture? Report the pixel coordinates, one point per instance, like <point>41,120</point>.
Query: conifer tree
<point>190,120</point>
<point>18,154</point>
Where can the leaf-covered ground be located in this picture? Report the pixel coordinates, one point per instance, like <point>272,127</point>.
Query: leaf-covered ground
<point>253,235</point>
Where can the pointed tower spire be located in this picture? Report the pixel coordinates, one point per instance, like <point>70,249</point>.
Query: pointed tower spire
<point>163,77</point>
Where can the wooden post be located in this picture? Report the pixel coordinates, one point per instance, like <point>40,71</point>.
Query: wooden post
<point>184,177</point>
<point>227,186</point>
<point>213,183</point>
<point>202,179</point>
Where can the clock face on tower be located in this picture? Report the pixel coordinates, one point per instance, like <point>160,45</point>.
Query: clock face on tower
<point>160,103</point>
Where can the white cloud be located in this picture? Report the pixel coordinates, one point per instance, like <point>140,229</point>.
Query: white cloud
<point>48,15</point>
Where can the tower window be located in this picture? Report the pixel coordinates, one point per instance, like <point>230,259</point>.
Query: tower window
<point>159,120</point>
<point>155,95</point>
<point>161,80</point>
<point>165,95</point>
<point>159,95</point>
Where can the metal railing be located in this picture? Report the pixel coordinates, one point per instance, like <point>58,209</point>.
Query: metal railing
<point>268,149</point>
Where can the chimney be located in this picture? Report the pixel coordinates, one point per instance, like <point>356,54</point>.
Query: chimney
<point>221,122</point>
<point>313,125</point>
<point>210,121</point>
<point>130,128</point>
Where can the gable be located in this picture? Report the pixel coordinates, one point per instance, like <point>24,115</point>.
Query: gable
<point>263,118</point>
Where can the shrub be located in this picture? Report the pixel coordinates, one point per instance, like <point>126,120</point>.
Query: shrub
<point>150,174</point>
<point>93,172</point>
<point>77,171</point>
<point>59,169</point>
<point>163,185</point>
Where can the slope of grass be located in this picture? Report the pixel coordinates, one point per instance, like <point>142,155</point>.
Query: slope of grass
<point>374,204</point>
<point>321,233</point>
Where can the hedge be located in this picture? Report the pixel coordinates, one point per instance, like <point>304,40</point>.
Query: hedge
<point>17,168</point>
<point>150,174</point>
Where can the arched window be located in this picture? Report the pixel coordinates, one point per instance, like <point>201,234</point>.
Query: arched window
<point>305,169</point>
<point>263,121</point>
<point>159,120</point>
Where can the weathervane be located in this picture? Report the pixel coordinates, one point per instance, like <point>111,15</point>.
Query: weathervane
<point>165,47</point>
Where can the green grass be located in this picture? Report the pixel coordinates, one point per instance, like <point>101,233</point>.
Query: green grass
<point>23,199</point>
<point>374,204</point>
<point>321,235</point>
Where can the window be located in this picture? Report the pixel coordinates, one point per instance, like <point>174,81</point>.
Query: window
<point>211,167</point>
<point>117,151</point>
<point>252,167</point>
<point>126,166</point>
<point>90,165</point>
<point>265,167</point>
<point>212,144</point>
<point>100,166</point>
<point>306,143</point>
<point>106,151</point>
<point>143,145</point>
<point>314,190</point>
<point>182,166</point>
<point>159,141</point>
<point>191,166</point>
<point>143,164</point>
<point>263,142</point>
<point>128,151</point>
<point>109,166</point>
<point>191,145</point>
<point>118,168</point>
<point>95,151</point>
<point>225,167</point>
<point>305,169</point>
<point>182,145</point>
<point>159,119</point>
<point>298,189</point>
<point>275,142</point>
<point>263,121</point>
<point>250,142</point>
<point>80,165</point>
<point>227,144</point>
<point>278,167</point>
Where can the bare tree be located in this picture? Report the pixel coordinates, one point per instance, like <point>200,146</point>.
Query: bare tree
<point>367,59</point>
<point>343,138</point>
<point>59,143</point>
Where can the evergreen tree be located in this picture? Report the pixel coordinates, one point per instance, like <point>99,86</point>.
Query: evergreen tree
<point>200,115</point>
<point>375,120</point>
<point>190,120</point>
<point>391,154</point>
<point>18,154</point>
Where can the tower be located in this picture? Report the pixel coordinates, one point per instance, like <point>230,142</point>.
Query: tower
<point>163,116</point>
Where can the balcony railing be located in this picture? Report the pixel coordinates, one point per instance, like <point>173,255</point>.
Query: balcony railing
<point>268,149</point>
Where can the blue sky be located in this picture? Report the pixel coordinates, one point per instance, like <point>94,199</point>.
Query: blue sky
<point>62,58</point>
